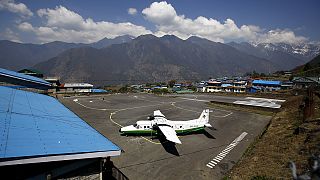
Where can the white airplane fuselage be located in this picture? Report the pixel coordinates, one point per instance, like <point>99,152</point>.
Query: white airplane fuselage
<point>180,127</point>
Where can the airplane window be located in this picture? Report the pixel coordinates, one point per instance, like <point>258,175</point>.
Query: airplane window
<point>135,125</point>
<point>180,126</point>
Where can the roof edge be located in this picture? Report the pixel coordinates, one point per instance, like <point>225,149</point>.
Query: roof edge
<point>24,79</point>
<point>61,158</point>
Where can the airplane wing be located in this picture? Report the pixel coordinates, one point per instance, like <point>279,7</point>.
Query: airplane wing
<point>157,113</point>
<point>170,134</point>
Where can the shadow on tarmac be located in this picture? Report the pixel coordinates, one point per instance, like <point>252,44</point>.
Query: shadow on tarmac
<point>208,135</point>
<point>169,146</point>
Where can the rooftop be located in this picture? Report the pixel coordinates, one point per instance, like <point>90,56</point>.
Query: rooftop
<point>23,77</point>
<point>75,85</point>
<point>38,128</point>
<point>266,82</point>
<point>226,85</point>
<point>32,71</point>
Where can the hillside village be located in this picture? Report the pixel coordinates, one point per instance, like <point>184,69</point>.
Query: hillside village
<point>266,84</point>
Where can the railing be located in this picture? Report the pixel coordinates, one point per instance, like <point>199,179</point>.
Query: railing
<point>117,174</point>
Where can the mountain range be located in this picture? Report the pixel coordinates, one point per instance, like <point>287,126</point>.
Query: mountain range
<point>312,68</point>
<point>149,58</point>
<point>16,56</point>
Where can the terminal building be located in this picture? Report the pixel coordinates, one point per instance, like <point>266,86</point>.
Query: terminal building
<point>75,88</point>
<point>42,139</point>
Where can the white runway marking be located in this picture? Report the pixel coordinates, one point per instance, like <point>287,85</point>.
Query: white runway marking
<point>259,104</point>
<point>265,99</point>
<point>77,101</point>
<point>224,153</point>
<point>200,100</point>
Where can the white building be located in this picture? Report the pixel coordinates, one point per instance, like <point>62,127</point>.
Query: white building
<point>76,87</point>
<point>213,86</point>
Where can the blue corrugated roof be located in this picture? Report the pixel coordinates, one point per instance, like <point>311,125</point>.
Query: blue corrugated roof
<point>266,82</point>
<point>225,85</point>
<point>99,91</point>
<point>23,77</point>
<point>35,125</point>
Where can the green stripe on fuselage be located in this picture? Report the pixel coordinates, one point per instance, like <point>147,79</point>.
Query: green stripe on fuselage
<point>188,131</point>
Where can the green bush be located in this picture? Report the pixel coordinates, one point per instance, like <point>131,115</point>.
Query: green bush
<point>160,91</point>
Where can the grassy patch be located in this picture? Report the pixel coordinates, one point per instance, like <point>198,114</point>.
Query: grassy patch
<point>268,156</point>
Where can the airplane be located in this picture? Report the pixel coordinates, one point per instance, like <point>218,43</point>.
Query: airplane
<point>158,124</point>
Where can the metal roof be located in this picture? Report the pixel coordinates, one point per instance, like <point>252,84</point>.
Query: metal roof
<point>23,77</point>
<point>38,128</point>
<point>76,85</point>
<point>99,91</point>
<point>214,82</point>
<point>266,82</point>
<point>226,85</point>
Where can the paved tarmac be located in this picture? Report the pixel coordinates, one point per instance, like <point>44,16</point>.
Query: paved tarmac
<point>242,100</point>
<point>207,155</point>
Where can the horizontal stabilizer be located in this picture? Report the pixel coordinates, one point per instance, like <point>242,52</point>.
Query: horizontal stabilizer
<point>207,125</point>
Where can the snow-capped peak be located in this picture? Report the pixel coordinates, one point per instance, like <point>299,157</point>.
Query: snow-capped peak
<point>308,50</point>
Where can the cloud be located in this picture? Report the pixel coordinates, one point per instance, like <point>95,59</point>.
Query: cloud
<point>278,36</point>
<point>10,35</point>
<point>18,8</point>
<point>132,11</point>
<point>62,24</point>
<point>167,21</point>
<point>25,26</point>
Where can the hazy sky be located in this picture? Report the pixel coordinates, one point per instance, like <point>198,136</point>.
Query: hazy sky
<point>39,21</point>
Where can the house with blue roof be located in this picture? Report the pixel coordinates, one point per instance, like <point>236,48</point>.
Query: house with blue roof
<point>42,139</point>
<point>267,85</point>
<point>227,87</point>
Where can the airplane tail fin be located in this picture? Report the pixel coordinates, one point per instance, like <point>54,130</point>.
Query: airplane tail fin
<point>204,118</point>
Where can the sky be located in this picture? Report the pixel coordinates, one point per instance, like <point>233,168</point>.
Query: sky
<point>83,21</point>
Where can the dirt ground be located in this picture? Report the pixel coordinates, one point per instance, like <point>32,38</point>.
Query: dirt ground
<point>286,139</point>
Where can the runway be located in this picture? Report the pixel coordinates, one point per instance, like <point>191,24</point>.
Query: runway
<point>147,158</point>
